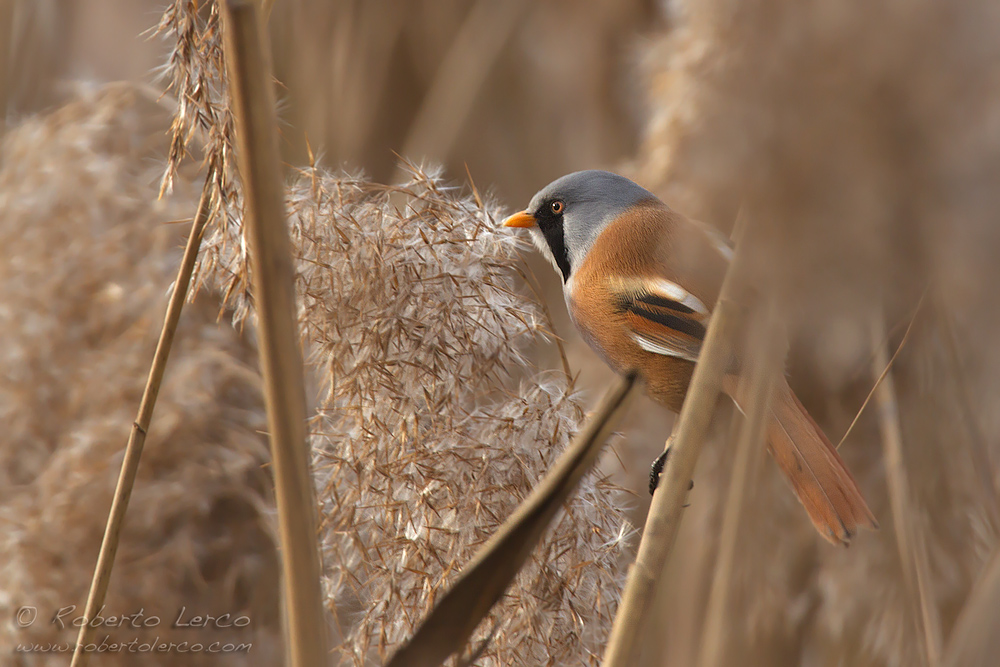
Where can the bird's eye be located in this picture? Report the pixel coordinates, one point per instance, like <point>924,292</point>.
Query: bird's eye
<point>557,207</point>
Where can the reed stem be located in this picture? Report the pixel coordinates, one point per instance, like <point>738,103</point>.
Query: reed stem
<point>483,581</point>
<point>249,69</point>
<point>909,537</point>
<point>665,511</point>
<point>769,350</point>
<point>137,437</point>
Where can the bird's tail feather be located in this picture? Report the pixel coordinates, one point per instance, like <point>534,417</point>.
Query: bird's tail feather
<point>812,465</point>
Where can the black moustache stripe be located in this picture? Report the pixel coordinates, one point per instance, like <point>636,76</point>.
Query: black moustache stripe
<point>552,229</point>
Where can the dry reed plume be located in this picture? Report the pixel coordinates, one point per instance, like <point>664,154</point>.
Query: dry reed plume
<point>195,74</point>
<point>427,435</point>
<point>864,141</point>
<point>87,264</point>
<point>427,432</point>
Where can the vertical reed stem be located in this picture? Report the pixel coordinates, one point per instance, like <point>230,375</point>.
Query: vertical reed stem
<point>769,350</point>
<point>665,512</point>
<point>909,537</point>
<point>249,70</point>
<point>7,9</point>
<point>958,388</point>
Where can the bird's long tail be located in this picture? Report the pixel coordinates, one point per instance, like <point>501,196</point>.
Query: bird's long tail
<point>812,465</point>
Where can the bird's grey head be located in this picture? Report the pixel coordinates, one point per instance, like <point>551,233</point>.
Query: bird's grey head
<point>567,215</point>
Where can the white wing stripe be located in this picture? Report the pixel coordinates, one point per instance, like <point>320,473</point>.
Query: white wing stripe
<point>657,347</point>
<point>679,294</point>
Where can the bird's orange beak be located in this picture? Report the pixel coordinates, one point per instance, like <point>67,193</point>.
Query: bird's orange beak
<point>522,219</point>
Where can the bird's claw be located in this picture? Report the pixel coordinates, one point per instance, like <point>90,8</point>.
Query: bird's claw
<point>656,470</point>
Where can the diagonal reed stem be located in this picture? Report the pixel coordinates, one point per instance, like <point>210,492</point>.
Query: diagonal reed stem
<point>768,351</point>
<point>665,511</point>
<point>137,437</point>
<point>909,537</point>
<point>249,69</point>
<point>974,641</point>
<point>455,617</point>
<point>885,371</point>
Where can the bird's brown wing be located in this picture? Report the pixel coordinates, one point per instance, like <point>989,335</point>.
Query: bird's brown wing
<point>665,302</point>
<point>662,317</point>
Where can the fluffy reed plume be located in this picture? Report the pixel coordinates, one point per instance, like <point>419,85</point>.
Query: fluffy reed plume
<point>424,437</point>
<point>864,141</point>
<point>426,434</point>
<point>87,264</point>
<point>361,55</point>
<point>195,73</point>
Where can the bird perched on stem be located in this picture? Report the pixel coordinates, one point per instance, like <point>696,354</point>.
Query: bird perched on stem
<point>640,281</point>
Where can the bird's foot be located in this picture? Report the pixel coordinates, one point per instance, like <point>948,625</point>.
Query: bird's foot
<point>656,470</point>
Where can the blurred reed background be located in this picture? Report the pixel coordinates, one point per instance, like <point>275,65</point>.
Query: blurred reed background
<point>863,141</point>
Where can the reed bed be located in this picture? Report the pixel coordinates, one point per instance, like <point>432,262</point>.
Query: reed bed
<point>863,142</point>
<point>428,433</point>
<point>89,260</point>
<point>430,426</point>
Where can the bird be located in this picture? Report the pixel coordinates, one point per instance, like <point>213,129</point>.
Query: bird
<point>640,281</point>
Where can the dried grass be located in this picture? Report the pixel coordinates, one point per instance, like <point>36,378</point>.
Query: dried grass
<point>865,140</point>
<point>429,429</point>
<point>427,433</point>
<point>365,79</point>
<point>195,74</point>
<point>83,282</point>
<point>426,436</point>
